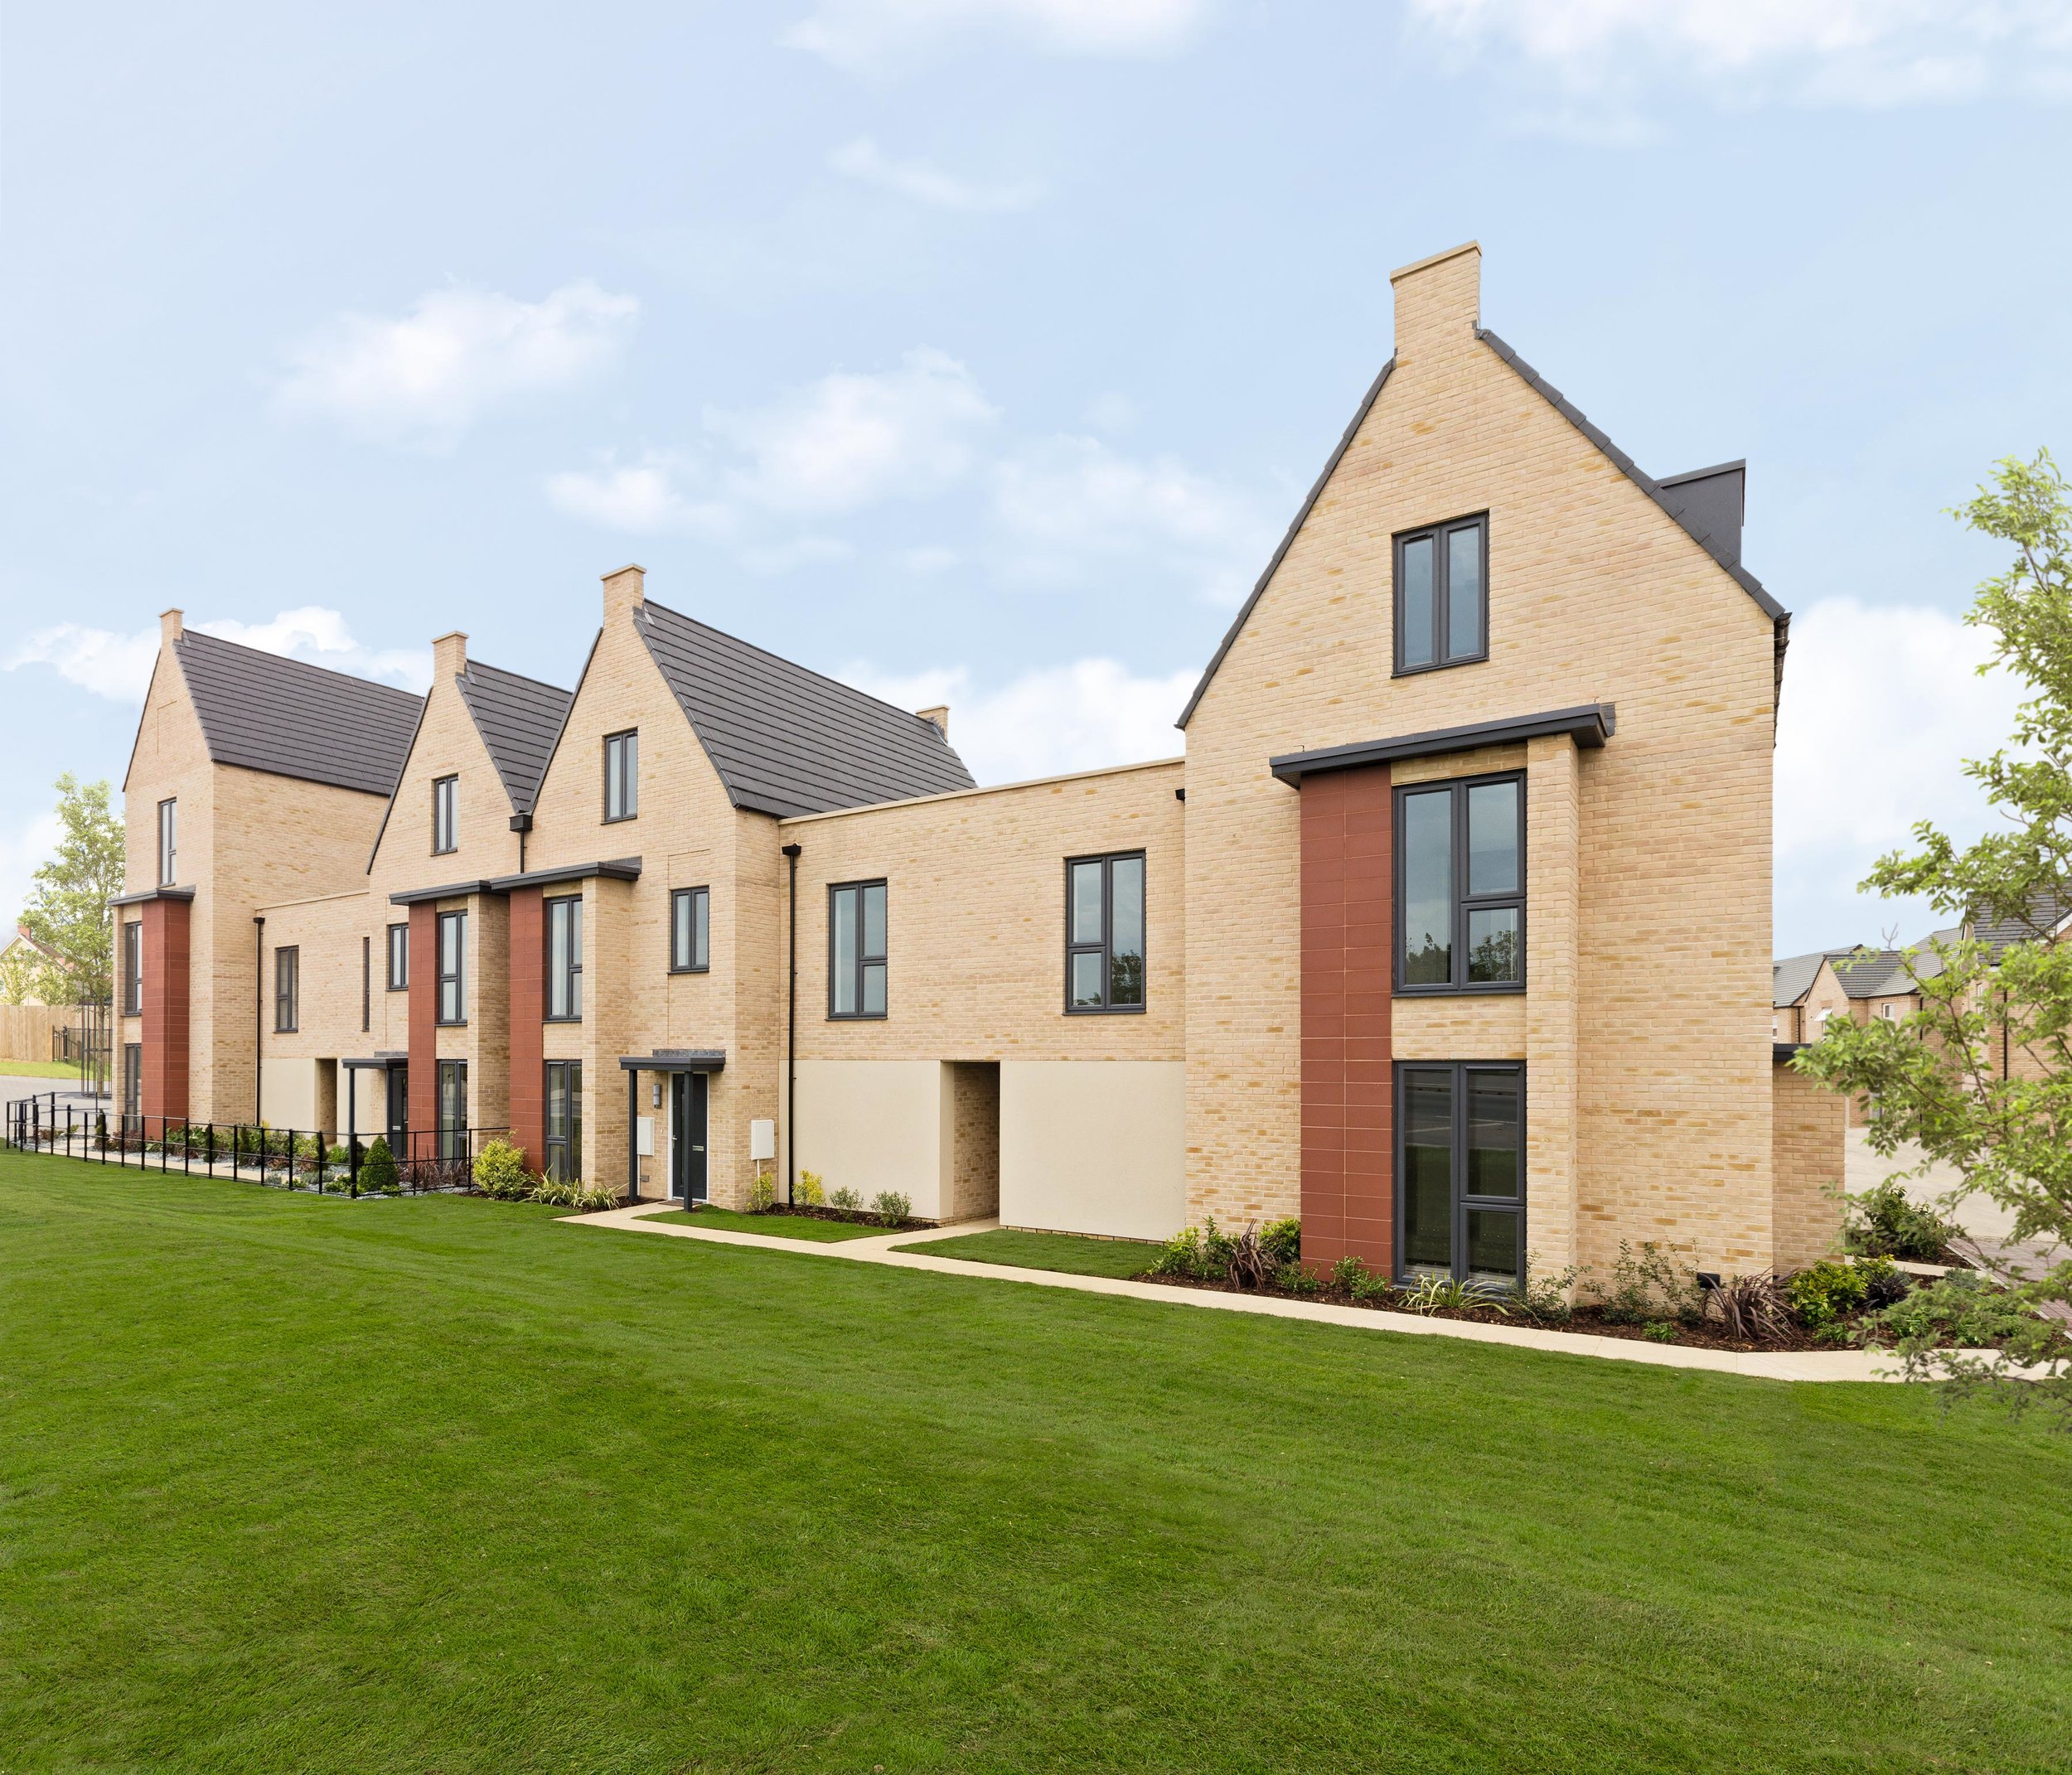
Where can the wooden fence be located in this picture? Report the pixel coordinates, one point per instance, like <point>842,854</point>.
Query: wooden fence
<point>25,1029</point>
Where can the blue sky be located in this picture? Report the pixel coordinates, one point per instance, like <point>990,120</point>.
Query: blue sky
<point>982,349</point>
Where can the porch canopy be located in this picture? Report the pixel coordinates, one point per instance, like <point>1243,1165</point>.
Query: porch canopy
<point>663,1060</point>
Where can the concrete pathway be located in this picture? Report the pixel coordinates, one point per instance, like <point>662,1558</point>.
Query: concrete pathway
<point>1770,1365</point>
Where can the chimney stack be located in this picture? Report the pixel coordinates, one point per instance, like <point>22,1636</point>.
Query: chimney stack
<point>625,591</point>
<point>449,655</point>
<point>170,626</point>
<point>1438,301</point>
<point>940,715</point>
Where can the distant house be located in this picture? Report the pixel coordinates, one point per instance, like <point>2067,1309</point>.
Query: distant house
<point>20,949</point>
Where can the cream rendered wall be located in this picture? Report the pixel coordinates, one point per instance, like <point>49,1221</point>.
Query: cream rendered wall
<point>290,1094</point>
<point>1093,1146</point>
<point>877,1124</point>
<point>1595,595</point>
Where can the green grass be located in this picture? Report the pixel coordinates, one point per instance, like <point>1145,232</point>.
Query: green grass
<point>38,1069</point>
<point>435,1483</point>
<point>771,1225</point>
<point>1044,1251</point>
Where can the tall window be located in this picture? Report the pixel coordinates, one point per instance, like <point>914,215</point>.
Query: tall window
<point>565,961</point>
<point>1442,595</point>
<point>452,1109</point>
<point>168,843</point>
<point>690,930</point>
<point>132,970</point>
<point>398,958</point>
<point>1104,933</point>
<point>1460,1171</point>
<point>366,985</point>
<point>446,816</point>
<point>287,969</point>
<point>1460,886</point>
<point>856,949</point>
<point>453,967</point>
<point>622,775</point>
<point>132,1086</point>
<point>564,1119</point>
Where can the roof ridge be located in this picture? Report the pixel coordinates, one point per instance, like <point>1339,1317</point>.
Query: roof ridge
<point>505,671</point>
<point>186,635</point>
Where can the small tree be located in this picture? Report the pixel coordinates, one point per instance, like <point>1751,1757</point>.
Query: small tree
<point>378,1171</point>
<point>67,914</point>
<point>1938,1075</point>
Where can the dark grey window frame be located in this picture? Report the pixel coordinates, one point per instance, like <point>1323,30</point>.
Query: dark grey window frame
<point>567,1146</point>
<point>459,977</point>
<point>287,989</point>
<point>696,962</point>
<point>445,815</point>
<point>133,967</point>
<point>1437,533</point>
<point>1462,1201</point>
<point>1107,859</point>
<point>366,985</point>
<point>133,1106</point>
<point>398,958</point>
<point>1464,902</point>
<point>445,1129</point>
<point>168,841</point>
<point>571,980</point>
<point>864,960</point>
<point>618,774</point>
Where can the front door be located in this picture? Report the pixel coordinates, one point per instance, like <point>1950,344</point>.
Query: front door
<point>688,1093</point>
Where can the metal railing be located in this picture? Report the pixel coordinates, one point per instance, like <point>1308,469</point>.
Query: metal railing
<point>312,1159</point>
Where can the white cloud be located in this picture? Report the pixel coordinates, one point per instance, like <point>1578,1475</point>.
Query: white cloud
<point>773,558</point>
<point>319,634</point>
<point>110,665</point>
<point>851,440</point>
<point>653,494</point>
<point>423,377</point>
<point>21,852</point>
<point>864,160</point>
<point>1079,717</point>
<point>875,36</point>
<point>1870,53</point>
<point>930,558</point>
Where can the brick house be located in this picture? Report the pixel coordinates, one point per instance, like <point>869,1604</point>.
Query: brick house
<point>1446,933</point>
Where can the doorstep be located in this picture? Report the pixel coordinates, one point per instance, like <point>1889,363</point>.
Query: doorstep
<point>1767,1365</point>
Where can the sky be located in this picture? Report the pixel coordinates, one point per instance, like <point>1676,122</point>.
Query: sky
<point>980,350</point>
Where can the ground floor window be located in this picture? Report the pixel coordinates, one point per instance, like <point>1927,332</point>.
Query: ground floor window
<point>132,1086</point>
<point>396,1118</point>
<point>452,1109</point>
<point>564,1119</point>
<point>1460,1171</point>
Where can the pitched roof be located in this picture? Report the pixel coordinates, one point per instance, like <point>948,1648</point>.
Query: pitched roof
<point>788,740</point>
<point>518,718</point>
<point>1792,977</point>
<point>1872,973</point>
<point>1998,935</point>
<point>265,713</point>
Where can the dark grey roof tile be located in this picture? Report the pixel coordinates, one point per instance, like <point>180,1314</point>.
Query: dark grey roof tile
<point>518,718</point>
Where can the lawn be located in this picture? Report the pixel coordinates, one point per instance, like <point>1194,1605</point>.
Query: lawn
<point>36,1069</point>
<point>437,1484</point>
<point>1044,1251</point>
<point>771,1225</point>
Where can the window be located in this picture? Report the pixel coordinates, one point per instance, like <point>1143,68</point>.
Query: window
<point>565,961</point>
<point>452,1106</point>
<point>1887,1012</point>
<point>1104,933</point>
<point>366,985</point>
<point>168,843</point>
<point>856,949</point>
<point>398,958</point>
<point>132,970</point>
<point>452,962</point>
<point>1460,1172</point>
<point>288,967</point>
<point>446,818</point>
<point>564,1119</point>
<point>132,1087</point>
<point>622,775</point>
<point>690,930</point>
<point>1442,595</point>
<point>1460,886</point>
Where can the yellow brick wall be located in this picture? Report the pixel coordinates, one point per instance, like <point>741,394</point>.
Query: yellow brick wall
<point>1807,1152</point>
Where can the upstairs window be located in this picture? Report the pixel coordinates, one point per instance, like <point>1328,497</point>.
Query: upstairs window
<point>622,775</point>
<point>453,964</point>
<point>856,949</point>
<point>1104,933</point>
<point>1442,595</point>
<point>690,930</point>
<point>288,970</point>
<point>168,843</point>
<point>1460,886</point>
<point>132,970</point>
<point>398,958</point>
<point>565,961</point>
<point>446,816</point>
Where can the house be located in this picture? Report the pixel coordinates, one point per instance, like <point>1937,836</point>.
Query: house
<point>1489,743</point>
<point>24,958</point>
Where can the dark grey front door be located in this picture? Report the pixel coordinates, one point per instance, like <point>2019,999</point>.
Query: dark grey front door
<point>688,1095</point>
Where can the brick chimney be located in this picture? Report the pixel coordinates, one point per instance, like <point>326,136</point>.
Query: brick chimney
<point>625,591</point>
<point>172,625</point>
<point>449,655</point>
<point>940,715</point>
<point>1438,301</point>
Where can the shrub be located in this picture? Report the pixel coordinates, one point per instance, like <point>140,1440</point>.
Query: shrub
<point>1292,1278</point>
<point>1659,1331</point>
<point>499,1170</point>
<point>847,1201</point>
<point>762,1193</point>
<point>892,1208</point>
<point>1887,1222</point>
<point>377,1168</point>
<point>1826,1293</point>
<point>1180,1255</point>
<point>1283,1239</point>
<point>1249,1265</point>
<point>1963,1310</point>
<point>556,1192</point>
<point>1546,1295</point>
<point>1753,1308</point>
<point>1651,1284</point>
<point>1434,1293</point>
<point>1350,1274</point>
<point>595,1199</point>
<point>806,1193</point>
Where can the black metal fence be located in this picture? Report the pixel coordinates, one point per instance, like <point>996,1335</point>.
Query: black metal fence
<point>279,1158</point>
